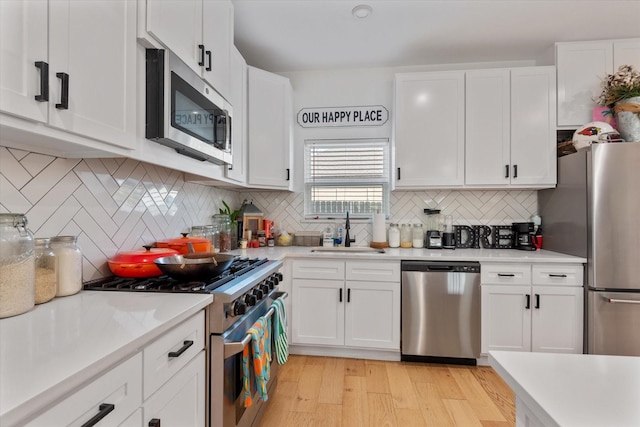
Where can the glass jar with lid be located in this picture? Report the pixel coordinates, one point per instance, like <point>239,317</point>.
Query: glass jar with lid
<point>406,238</point>
<point>224,229</point>
<point>394,236</point>
<point>211,232</point>
<point>17,265</point>
<point>45,278</point>
<point>417,235</point>
<point>198,231</point>
<point>68,265</point>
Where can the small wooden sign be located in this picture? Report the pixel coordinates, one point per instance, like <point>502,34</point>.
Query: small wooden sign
<point>368,115</point>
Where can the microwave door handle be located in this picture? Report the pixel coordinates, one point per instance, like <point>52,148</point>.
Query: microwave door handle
<point>227,127</point>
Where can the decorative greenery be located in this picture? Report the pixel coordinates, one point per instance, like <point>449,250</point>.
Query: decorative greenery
<point>233,215</point>
<point>625,83</point>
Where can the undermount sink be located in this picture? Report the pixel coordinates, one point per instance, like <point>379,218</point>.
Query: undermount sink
<point>352,249</point>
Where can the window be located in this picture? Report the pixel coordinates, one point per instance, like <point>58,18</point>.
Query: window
<point>346,175</point>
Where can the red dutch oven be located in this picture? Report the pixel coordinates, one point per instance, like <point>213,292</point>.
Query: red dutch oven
<point>139,263</point>
<point>181,244</point>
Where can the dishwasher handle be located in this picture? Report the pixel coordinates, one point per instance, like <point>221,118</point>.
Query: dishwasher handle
<point>441,266</point>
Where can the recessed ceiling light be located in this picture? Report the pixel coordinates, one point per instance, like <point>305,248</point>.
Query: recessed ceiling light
<point>362,11</point>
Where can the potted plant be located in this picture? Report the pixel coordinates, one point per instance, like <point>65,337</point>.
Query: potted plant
<point>233,219</point>
<point>621,91</point>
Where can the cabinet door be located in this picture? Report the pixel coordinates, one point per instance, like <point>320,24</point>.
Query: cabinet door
<point>533,130</point>
<point>626,52</point>
<point>23,41</point>
<point>238,169</point>
<point>506,320</point>
<point>269,122</point>
<point>429,129</point>
<point>318,312</point>
<point>557,320</point>
<point>487,117</point>
<point>94,43</point>
<point>217,37</point>
<point>581,68</point>
<point>181,401</point>
<point>177,24</point>
<point>372,315</point>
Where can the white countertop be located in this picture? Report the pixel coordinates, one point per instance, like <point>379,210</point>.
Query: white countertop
<point>570,390</point>
<point>481,255</point>
<point>60,345</point>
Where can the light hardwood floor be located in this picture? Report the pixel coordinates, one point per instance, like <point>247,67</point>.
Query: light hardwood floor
<point>327,391</point>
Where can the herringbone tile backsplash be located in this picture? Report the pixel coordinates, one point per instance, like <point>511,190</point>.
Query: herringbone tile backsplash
<point>121,204</point>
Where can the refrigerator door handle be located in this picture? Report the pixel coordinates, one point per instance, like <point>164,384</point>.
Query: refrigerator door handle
<point>620,301</point>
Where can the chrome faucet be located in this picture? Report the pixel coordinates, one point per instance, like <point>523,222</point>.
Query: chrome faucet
<point>347,240</point>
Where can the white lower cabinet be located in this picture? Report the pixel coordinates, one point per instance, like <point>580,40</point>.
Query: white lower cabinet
<point>540,311</point>
<point>164,384</point>
<point>359,312</point>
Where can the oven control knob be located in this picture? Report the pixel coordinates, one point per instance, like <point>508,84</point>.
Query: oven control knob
<point>271,282</point>
<point>258,293</point>
<point>239,308</point>
<point>279,276</point>
<point>250,299</point>
<point>265,289</point>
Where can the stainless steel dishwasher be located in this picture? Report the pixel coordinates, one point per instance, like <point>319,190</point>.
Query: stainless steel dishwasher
<point>440,311</point>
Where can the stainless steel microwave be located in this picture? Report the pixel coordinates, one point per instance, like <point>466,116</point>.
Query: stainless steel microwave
<point>183,112</point>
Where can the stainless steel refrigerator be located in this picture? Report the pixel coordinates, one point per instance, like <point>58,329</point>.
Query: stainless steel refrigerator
<point>594,212</point>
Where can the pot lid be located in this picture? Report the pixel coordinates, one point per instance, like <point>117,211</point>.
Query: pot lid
<point>142,256</point>
<point>184,240</point>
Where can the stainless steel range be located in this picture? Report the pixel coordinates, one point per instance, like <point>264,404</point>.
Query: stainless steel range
<point>241,294</point>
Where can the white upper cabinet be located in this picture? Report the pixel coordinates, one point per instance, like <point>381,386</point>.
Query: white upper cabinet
<point>200,32</point>
<point>24,59</point>
<point>581,68</point>
<point>429,129</point>
<point>237,170</point>
<point>89,73</point>
<point>270,113</point>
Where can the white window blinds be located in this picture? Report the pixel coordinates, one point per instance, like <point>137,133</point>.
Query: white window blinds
<point>346,175</point>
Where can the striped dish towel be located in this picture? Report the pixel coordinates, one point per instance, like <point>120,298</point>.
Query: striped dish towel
<point>280,331</point>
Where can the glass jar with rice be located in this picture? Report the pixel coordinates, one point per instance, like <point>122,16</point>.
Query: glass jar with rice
<point>17,265</point>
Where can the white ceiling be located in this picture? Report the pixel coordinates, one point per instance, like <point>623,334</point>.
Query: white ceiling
<point>289,35</point>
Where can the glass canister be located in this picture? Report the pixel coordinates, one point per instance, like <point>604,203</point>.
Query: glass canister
<point>197,231</point>
<point>394,236</point>
<point>406,238</point>
<point>68,265</point>
<point>45,281</point>
<point>224,229</point>
<point>417,236</point>
<point>17,265</point>
<point>211,232</point>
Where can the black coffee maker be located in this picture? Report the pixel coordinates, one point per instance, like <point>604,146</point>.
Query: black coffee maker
<point>523,236</point>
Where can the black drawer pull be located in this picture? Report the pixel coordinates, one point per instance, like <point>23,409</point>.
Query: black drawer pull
<point>506,171</point>
<point>528,306</point>
<point>182,349</point>
<point>208,68</point>
<point>201,60</point>
<point>104,410</point>
<point>398,174</point>
<point>64,97</point>
<point>155,422</point>
<point>340,294</point>
<point>506,275</point>
<point>349,295</point>
<point>515,171</point>
<point>44,81</point>
<point>288,174</point>
<point>537,301</point>
<point>557,275</point>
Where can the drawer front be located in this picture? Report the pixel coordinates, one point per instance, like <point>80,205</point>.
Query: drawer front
<point>505,274</point>
<point>373,271</point>
<point>120,387</point>
<point>318,269</point>
<point>558,274</point>
<point>159,366</point>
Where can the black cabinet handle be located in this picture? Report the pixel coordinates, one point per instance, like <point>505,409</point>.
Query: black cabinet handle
<point>506,275</point>
<point>528,306</point>
<point>537,301</point>
<point>557,275</point>
<point>155,422</point>
<point>44,81</point>
<point>182,349</point>
<point>201,60</point>
<point>103,410</point>
<point>349,295</point>
<point>64,97</point>
<point>340,294</point>
<point>208,60</point>
<point>398,174</point>
<point>515,171</point>
<point>288,174</point>
<point>506,171</point>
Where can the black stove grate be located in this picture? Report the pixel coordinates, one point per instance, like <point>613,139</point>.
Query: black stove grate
<point>238,267</point>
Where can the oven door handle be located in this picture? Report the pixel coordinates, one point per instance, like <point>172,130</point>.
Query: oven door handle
<point>233,348</point>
